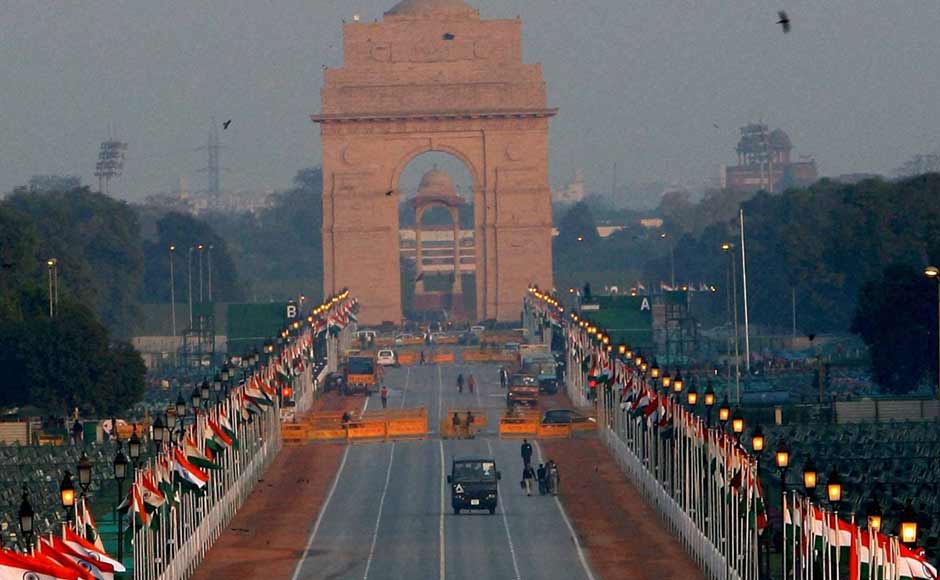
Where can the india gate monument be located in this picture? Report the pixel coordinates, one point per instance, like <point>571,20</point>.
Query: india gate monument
<point>433,76</point>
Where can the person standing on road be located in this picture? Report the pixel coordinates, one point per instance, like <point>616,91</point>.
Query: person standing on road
<point>460,383</point>
<point>503,377</point>
<point>540,474</point>
<point>526,452</point>
<point>471,383</point>
<point>527,476</point>
<point>384,393</point>
<point>421,360</point>
<point>554,479</point>
<point>456,424</point>
<point>470,421</point>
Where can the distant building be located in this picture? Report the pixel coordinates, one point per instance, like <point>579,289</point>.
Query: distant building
<point>764,163</point>
<point>573,192</point>
<point>198,203</point>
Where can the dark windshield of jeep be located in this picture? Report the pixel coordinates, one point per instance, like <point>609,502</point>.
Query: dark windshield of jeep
<point>360,365</point>
<point>474,471</point>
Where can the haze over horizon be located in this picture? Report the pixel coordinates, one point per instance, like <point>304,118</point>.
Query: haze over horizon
<point>642,86</point>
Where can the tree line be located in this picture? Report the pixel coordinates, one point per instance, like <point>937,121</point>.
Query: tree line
<point>112,258</point>
<point>852,255</point>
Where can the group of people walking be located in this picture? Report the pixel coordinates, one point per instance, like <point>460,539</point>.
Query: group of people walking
<point>471,383</point>
<point>546,475</point>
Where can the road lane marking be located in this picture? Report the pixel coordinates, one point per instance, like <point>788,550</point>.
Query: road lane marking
<point>404,393</point>
<point>564,516</point>
<point>378,518</point>
<point>316,526</point>
<point>440,396</point>
<point>441,545</point>
<point>502,512</point>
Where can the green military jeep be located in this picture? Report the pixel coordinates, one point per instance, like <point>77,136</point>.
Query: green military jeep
<point>473,484</point>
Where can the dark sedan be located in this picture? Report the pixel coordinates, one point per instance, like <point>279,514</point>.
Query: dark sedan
<point>565,417</point>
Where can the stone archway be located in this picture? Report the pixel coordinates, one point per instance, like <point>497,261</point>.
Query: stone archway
<point>433,76</point>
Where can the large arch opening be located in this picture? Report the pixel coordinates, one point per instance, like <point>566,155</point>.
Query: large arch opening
<point>436,239</point>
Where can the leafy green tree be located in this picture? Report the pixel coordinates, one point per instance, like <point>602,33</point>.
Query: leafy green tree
<point>896,317</point>
<point>96,240</point>
<point>66,362</point>
<point>186,233</point>
<point>280,251</point>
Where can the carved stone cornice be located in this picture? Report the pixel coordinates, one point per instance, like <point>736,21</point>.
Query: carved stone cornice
<point>434,116</point>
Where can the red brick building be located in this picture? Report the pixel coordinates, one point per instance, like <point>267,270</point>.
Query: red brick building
<point>765,163</point>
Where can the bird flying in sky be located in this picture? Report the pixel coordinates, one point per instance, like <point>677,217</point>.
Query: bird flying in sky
<point>784,21</point>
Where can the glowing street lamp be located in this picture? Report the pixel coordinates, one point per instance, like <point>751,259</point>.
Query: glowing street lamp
<point>909,525</point>
<point>724,412</point>
<point>810,477</point>
<point>67,494</point>
<point>757,440</point>
<point>874,514</point>
<point>782,456</point>
<point>834,487</point>
<point>677,383</point>
<point>737,424</point>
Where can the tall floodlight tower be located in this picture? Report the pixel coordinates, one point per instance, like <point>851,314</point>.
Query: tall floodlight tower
<point>110,164</point>
<point>213,169</point>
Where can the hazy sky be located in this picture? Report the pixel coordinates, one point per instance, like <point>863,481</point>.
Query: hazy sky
<point>639,83</point>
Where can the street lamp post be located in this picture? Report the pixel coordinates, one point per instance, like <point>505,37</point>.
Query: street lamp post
<point>873,513</point>
<point>737,424</point>
<point>810,477</point>
<point>120,474</point>
<point>934,272</point>
<point>158,432</point>
<point>709,401</point>
<point>52,264</point>
<point>67,495</point>
<point>909,525</point>
<point>204,392</point>
<point>26,516</point>
<point>729,248</point>
<point>172,292</point>
<point>200,247</point>
<point>133,447</point>
<point>84,473</point>
<point>189,267</point>
<point>782,457</point>
<point>724,412</point>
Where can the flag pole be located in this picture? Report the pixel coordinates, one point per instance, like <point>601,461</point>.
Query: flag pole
<point>747,333</point>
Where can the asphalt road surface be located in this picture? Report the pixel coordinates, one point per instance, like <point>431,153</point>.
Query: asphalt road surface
<point>388,514</point>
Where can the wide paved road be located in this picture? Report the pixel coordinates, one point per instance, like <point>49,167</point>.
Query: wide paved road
<point>389,514</point>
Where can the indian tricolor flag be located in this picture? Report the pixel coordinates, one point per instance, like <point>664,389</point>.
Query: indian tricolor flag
<point>89,551</point>
<point>226,425</point>
<point>82,560</point>
<point>283,373</point>
<point>839,534</point>
<point>46,552</point>
<point>150,492</point>
<point>187,473</point>
<point>219,441</point>
<point>913,565</point>
<point>253,390</point>
<point>197,456</point>
<point>134,506</point>
<point>860,556</point>
<point>14,566</point>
